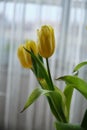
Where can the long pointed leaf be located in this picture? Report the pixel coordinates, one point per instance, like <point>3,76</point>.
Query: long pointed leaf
<point>55,100</point>
<point>42,70</point>
<point>52,107</point>
<point>68,91</point>
<point>34,95</point>
<point>58,101</point>
<point>77,83</point>
<point>77,67</point>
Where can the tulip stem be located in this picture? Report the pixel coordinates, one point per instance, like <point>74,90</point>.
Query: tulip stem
<point>52,87</point>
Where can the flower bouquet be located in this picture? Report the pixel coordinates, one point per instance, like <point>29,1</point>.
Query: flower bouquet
<point>31,56</point>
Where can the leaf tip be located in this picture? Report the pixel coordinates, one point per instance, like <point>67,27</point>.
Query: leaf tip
<point>59,78</point>
<point>75,72</point>
<point>22,110</point>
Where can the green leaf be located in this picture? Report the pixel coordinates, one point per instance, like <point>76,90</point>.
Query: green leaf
<point>68,91</point>
<point>79,66</point>
<point>77,83</point>
<point>36,67</point>
<point>41,59</point>
<point>67,126</point>
<point>53,108</point>
<point>57,99</point>
<point>34,95</point>
<point>84,121</point>
<point>42,70</point>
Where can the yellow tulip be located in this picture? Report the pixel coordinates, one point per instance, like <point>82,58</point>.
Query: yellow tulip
<point>31,46</point>
<point>46,41</point>
<point>24,56</point>
<point>21,56</point>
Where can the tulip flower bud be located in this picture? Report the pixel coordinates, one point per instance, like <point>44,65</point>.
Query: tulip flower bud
<point>21,56</point>
<point>46,41</point>
<point>24,56</point>
<point>31,46</point>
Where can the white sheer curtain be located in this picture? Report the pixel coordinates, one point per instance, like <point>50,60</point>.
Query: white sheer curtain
<point>18,22</point>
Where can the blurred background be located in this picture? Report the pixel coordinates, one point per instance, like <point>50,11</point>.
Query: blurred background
<point>19,20</point>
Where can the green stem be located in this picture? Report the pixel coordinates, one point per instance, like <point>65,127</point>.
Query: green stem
<point>52,87</point>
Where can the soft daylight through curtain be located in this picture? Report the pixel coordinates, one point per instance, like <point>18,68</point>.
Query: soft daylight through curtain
<point>18,22</point>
